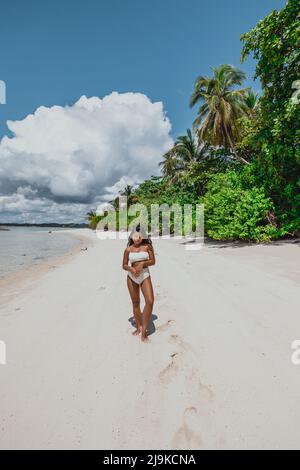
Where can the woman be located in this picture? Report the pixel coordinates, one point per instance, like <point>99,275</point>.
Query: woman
<point>140,254</point>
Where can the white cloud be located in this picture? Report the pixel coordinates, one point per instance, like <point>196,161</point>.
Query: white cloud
<point>63,161</point>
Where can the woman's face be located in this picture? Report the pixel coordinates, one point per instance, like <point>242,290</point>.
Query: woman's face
<point>137,238</point>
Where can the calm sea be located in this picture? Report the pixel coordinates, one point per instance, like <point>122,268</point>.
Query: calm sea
<point>23,246</point>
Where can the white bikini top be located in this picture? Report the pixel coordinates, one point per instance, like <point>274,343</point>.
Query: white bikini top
<point>138,256</point>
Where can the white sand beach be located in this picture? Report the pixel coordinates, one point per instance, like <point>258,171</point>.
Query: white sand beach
<point>216,373</point>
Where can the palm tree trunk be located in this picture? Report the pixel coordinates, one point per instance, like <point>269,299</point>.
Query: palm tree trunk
<point>232,148</point>
<point>238,157</point>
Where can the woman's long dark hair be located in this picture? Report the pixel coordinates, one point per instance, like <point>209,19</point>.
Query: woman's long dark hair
<point>146,240</point>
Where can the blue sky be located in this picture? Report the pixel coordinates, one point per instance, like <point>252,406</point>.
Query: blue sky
<point>98,90</point>
<point>53,52</point>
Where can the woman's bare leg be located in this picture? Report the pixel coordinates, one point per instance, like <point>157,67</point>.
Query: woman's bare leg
<point>134,291</point>
<point>147,291</point>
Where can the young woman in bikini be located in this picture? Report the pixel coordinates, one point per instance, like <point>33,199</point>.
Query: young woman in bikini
<point>138,256</point>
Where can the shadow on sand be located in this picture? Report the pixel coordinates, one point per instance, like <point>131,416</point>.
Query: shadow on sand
<point>151,327</point>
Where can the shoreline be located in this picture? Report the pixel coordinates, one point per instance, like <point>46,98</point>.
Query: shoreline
<point>20,280</point>
<point>24,278</point>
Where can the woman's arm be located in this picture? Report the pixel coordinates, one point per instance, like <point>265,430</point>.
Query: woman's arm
<point>140,265</point>
<point>125,264</point>
<point>151,260</point>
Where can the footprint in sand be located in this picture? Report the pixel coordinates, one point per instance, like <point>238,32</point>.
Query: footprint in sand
<point>171,369</point>
<point>187,436</point>
<point>196,425</point>
<point>196,419</point>
<point>176,339</point>
<point>199,393</point>
<point>165,326</point>
<point>204,397</point>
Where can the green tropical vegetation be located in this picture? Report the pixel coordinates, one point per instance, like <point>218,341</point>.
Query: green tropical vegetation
<point>241,157</point>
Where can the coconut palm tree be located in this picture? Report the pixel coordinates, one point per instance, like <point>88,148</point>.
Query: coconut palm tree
<point>128,191</point>
<point>252,103</point>
<point>93,219</point>
<point>170,164</point>
<point>186,151</point>
<point>188,147</point>
<point>222,104</point>
<point>91,214</point>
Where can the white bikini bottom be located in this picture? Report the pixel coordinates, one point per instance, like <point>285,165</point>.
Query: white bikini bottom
<point>139,279</point>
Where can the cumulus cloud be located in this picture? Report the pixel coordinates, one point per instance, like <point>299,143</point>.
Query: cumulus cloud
<point>63,161</point>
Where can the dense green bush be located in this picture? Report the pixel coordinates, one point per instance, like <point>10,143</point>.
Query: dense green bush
<point>233,211</point>
<point>275,44</point>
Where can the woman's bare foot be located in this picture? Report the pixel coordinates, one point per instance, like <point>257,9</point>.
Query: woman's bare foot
<point>144,336</point>
<point>137,331</point>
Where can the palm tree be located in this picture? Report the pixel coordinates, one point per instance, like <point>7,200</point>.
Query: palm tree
<point>93,218</point>
<point>186,151</point>
<point>169,164</point>
<point>91,214</point>
<point>128,191</point>
<point>221,106</point>
<point>188,147</point>
<point>252,103</point>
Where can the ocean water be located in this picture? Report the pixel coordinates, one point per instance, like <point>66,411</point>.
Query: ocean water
<point>23,246</point>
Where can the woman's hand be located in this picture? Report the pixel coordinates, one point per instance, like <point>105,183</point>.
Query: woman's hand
<point>133,271</point>
<point>138,267</point>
